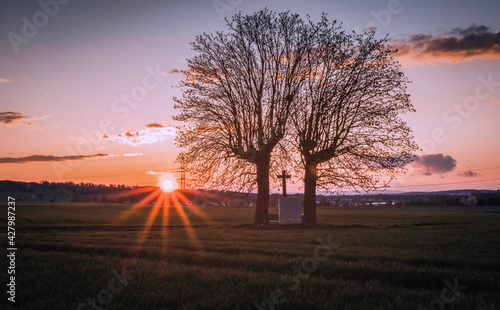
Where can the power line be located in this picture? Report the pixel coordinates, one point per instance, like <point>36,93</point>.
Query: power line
<point>182,171</point>
<point>491,168</point>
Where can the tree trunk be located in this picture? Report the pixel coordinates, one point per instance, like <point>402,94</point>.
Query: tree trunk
<point>310,193</point>
<point>262,207</point>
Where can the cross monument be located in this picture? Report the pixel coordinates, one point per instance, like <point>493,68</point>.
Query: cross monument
<point>283,178</point>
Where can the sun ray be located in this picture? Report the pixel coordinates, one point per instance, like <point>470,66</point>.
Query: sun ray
<point>187,224</point>
<point>132,192</point>
<point>166,199</point>
<point>149,222</point>
<point>138,205</point>
<point>154,211</point>
<point>194,208</point>
<point>166,211</point>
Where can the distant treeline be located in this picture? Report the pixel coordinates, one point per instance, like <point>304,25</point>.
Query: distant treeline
<point>45,191</point>
<point>459,198</point>
<point>91,192</point>
<point>84,188</point>
<point>475,198</point>
<point>59,191</point>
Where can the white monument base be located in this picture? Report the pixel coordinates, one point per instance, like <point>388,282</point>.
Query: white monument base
<point>290,210</point>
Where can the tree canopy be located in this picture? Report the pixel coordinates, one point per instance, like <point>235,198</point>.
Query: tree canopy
<point>273,81</point>
<point>239,96</point>
<point>346,124</point>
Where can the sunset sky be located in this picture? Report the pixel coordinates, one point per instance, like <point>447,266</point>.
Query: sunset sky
<point>86,87</point>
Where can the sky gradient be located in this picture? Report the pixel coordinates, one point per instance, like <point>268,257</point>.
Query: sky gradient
<point>86,87</point>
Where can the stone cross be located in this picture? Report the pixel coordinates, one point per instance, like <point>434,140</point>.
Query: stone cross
<point>283,178</point>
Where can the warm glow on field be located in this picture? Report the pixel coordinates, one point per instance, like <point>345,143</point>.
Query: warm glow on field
<point>161,203</point>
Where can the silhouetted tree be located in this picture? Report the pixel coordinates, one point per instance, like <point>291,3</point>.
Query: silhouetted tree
<point>346,124</point>
<point>240,90</point>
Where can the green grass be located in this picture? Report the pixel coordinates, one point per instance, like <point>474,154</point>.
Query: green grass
<point>384,260</point>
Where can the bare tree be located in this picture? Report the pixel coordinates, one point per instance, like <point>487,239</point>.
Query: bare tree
<point>238,99</point>
<point>346,125</point>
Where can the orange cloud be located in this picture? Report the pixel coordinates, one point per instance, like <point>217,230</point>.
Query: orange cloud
<point>155,125</point>
<point>495,100</point>
<point>45,158</point>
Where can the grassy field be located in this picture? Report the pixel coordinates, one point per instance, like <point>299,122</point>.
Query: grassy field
<point>73,255</point>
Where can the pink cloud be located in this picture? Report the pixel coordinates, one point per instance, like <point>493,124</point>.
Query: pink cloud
<point>457,45</point>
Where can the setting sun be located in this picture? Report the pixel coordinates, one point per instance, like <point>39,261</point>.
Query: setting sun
<point>167,184</point>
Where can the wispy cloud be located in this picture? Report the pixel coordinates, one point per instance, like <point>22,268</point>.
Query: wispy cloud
<point>16,118</point>
<point>495,100</point>
<point>146,136</point>
<point>173,71</point>
<point>469,173</point>
<point>429,164</point>
<point>133,154</point>
<point>459,44</point>
<point>156,172</point>
<point>5,80</point>
<point>48,158</point>
<point>371,28</point>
